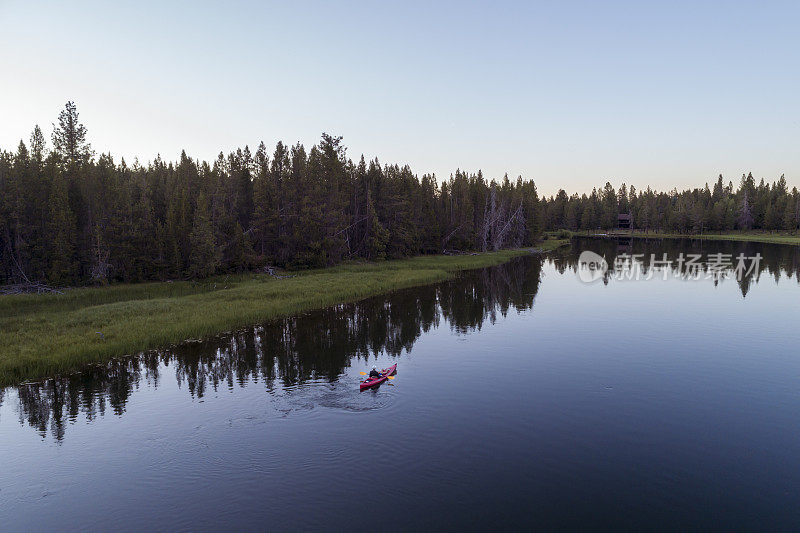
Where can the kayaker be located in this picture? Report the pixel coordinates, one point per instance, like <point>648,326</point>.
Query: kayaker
<point>374,373</point>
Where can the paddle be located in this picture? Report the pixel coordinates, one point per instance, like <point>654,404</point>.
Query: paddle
<point>364,374</point>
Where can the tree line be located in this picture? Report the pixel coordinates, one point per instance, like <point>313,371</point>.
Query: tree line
<point>750,206</point>
<point>68,216</point>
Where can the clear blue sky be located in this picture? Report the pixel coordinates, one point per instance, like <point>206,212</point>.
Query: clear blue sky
<point>571,94</point>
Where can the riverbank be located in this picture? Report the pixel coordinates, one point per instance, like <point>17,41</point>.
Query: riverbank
<point>747,236</point>
<point>43,335</point>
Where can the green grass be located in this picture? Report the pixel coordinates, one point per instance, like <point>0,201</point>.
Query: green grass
<point>43,335</point>
<point>750,236</point>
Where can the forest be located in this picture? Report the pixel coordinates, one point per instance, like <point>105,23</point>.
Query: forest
<point>723,208</point>
<point>71,217</point>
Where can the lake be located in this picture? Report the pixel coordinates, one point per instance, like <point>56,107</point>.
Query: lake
<point>525,397</point>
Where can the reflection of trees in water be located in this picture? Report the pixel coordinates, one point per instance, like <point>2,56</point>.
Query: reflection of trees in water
<point>495,290</point>
<point>322,344</point>
<point>776,259</point>
<point>319,344</point>
<point>98,388</point>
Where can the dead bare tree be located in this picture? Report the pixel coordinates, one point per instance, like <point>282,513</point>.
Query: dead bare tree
<point>450,236</point>
<point>100,266</point>
<point>27,286</point>
<point>499,236</point>
<point>500,226</point>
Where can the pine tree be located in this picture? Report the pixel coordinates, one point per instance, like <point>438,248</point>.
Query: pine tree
<point>288,186</point>
<point>63,268</point>
<point>610,206</point>
<point>38,147</point>
<point>69,137</point>
<point>204,256</point>
<point>588,216</point>
<point>745,219</point>
<point>237,256</point>
<point>264,215</point>
<point>242,176</point>
<point>789,216</point>
<point>69,218</point>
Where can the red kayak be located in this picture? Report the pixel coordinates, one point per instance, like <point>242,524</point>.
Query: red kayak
<point>385,373</point>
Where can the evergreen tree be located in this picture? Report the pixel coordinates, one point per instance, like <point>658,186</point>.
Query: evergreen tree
<point>745,219</point>
<point>265,216</point>
<point>63,268</point>
<point>38,147</point>
<point>204,256</point>
<point>69,137</point>
<point>791,217</point>
<point>68,218</point>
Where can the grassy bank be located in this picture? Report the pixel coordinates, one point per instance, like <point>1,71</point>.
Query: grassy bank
<point>749,236</point>
<point>42,335</point>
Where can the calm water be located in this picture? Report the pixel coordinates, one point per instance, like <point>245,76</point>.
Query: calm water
<point>524,398</point>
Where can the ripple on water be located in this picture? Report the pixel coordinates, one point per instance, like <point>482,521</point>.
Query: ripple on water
<point>339,395</point>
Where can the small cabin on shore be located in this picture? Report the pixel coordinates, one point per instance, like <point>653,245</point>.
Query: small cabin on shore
<point>625,221</point>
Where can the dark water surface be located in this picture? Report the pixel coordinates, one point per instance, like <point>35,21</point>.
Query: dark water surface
<point>524,398</point>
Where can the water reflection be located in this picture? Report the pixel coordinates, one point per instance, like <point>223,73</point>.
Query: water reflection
<point>651,255</point>
<point>319,346</point>
<point>286,353</point>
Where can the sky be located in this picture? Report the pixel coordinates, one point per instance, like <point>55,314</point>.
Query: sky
<point>570,94</point>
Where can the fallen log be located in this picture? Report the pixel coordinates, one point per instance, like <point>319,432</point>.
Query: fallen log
<point>29,288</point>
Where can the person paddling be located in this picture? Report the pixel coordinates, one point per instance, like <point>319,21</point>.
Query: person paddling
<point>374,373</point>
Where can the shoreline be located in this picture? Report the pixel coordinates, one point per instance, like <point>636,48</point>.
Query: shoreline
<point>767,238</point>
<point>46,335</point>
